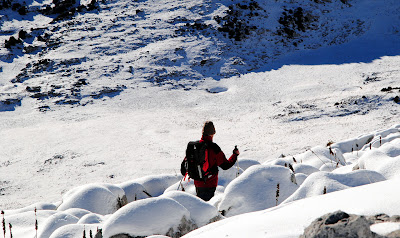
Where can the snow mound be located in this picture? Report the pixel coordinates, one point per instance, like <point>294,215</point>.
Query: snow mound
<point>364,142</point>
<point>300,178</point>
<point>325,182</point>
<point>289,220</point>
<point>23,224</point>
<point>74,231</point>
<point>227,176</point>
<point>201,212</point>
<point>133,191</point>
<point>304,169</point>
<point>322,157</point>
<point>158,236</point>
<point>38,206</point>
<point>54,222</point>
<point>385,160</point>
<point>95,198</point>
<point>147,217</point>
<point>185,183</point>
<point>245,163</point>
<point>256,189</point>
<point>78,212</point>
<point>155,185</point>
<point>91,218</point>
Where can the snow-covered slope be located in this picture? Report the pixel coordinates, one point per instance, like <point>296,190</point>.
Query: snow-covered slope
<point>104,96</point>
<point>291,219</point>
<point>262,201</point>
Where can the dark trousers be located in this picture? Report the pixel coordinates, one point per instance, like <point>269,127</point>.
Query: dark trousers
<point>205,193</point>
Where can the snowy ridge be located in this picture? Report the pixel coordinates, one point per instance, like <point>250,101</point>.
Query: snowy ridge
<point>176,213</point>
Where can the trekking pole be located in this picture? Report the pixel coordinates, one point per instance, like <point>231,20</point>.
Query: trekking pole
<point>180,183</point>
<point>237,164</point>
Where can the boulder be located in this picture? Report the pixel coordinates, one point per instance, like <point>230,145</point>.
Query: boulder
<point>342,224</point>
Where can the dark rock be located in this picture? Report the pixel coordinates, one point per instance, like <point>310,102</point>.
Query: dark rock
<point>11,42</point>
<point>340,224</point>
<point>336,217</point>
<point>22,34</point>
<point>35,89</point>
<point>9,104</point>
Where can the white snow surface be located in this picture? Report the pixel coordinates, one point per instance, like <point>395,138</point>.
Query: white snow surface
<point>256,189</point>
<point>95,198</point>
<point>320,182</point>
<point>289,220</point>
<point>146,217</point>
<point>54,222</point>
<point>74,230</point>
<point>201,212</point>
<point>104,106</point>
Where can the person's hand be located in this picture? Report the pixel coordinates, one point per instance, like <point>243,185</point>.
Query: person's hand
<point>236,151</point>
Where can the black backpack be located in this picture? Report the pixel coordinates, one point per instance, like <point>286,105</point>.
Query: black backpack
<point>196,157</point>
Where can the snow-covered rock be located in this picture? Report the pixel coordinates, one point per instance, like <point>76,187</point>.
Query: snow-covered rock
<point>95,198</point>
<point>149,217</point>
<point>367,141</point>
<point>226,176</point>
<point>37,206</point>
<point>54,222</point>
<point>155,185</point>
<point>322,157</point>
<point>385,159</point>
<point>304,168</point>
<point>186,184</point>
<point>201,212</point>
<point>133,191</point>
<point>23,223</point>
<point>245,163</point>
<point>300,178</point>
<point>78,212</point>
<point>91,218</point>
<point>324,182</point>
<point>75,231</point>
<point>256,189</point>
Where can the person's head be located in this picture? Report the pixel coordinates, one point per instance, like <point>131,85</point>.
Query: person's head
<point>208,128</point>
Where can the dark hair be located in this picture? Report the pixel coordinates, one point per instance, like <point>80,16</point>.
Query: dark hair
<point>208,128</point>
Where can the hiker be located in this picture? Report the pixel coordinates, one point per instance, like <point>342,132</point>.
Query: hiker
<point>205,188</point>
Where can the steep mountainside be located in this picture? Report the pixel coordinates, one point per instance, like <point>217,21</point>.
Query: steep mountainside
<point>72,53</point>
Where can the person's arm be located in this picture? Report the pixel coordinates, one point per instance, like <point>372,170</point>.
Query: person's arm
<point>227,163</point>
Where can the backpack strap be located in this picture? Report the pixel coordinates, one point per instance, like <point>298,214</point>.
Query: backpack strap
<point>206,165</point>
<point>212,170</point>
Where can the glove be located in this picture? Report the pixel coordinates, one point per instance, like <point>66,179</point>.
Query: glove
<point>236,151</point>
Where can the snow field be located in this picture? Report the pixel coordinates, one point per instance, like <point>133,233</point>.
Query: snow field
<point>171,211</point>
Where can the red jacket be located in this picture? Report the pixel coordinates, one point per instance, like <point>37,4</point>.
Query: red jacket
<point>216,158</point>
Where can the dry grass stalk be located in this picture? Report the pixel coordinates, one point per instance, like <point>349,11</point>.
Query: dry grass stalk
<point>9,224</point>
<point>277,194</point>
<point>291,168</point>
<point>4,224</point>
<point>36,223</point>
